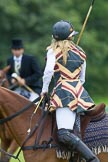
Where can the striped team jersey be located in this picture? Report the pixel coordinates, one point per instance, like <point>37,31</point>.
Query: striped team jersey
<point>68,90</point>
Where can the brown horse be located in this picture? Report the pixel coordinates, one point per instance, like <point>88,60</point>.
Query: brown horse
<point>19,126</point>
<point>11,103</point>
<point>7,141</point>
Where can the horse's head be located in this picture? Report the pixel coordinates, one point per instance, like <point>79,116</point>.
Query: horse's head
<point>3,79</point>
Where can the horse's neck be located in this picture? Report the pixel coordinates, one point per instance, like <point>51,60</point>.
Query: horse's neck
<point>6,83</point>
<point>11,103</point>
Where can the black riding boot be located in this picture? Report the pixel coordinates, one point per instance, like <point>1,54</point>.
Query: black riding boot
<point>73,142</point>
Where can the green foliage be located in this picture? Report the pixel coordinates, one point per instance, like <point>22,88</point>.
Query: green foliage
<point>21,158</point>
<point>32,20</point>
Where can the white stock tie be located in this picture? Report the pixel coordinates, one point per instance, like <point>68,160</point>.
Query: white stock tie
<point>17,66</point>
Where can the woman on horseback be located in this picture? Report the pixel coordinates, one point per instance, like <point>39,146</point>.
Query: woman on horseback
<point>67,63</point>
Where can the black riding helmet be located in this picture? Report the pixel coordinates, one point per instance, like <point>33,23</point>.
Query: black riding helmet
<point>62,30</point>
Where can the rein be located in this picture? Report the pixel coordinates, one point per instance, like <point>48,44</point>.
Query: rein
<point>4,120</point>
<point>45,144</point>
<point>31,132</point>
<point>42,117</point>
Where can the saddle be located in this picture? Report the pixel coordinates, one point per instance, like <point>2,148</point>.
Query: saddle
<point>98,117</point>
<point>92,114</point>
<point>99,109</point>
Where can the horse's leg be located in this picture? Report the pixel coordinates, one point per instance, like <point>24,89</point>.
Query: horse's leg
<point>12,147</point>
<point>9,146</point>
<point>4,146</point>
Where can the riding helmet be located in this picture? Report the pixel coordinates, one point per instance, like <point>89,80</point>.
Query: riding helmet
<point>63,30</point>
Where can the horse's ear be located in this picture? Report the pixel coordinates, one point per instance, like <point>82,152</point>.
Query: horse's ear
<point>6,68</point>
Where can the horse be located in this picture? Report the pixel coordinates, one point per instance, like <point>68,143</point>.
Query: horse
<point>7,141</point>
<point>35,145</point>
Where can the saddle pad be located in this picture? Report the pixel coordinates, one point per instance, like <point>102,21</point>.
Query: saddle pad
<point>23,92</point>
<point>96,135</point>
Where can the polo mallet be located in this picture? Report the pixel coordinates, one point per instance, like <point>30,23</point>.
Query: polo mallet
<point>85,21</point>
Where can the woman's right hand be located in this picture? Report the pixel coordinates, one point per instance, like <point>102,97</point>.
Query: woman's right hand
<point>43,94</point>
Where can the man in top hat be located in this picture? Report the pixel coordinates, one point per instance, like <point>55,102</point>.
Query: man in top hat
<point>23,68</point>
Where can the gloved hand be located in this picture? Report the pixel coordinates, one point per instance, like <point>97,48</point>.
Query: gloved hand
<point>45,102</point>
<point>18,79</point>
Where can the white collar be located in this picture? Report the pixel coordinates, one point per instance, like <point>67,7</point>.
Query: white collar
<point>17,58</point>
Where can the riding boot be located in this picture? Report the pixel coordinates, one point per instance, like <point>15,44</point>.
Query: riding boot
<point>74,158</point>
<point>74,143</point>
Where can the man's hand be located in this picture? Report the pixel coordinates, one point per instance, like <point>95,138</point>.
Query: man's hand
<point>13,81</point>
<point>18,79</point>
<point>21,81</point>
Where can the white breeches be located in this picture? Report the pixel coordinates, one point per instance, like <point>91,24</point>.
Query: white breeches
<point>65,118</point>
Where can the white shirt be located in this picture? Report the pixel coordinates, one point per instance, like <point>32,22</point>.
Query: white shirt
<point>82,73</point>
<point>17,58</point>
<point>49,71</point>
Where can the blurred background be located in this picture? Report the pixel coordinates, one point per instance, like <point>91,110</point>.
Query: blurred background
<point>32,21</point>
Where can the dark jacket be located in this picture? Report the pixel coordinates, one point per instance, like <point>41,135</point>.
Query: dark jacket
<point>29,70</point>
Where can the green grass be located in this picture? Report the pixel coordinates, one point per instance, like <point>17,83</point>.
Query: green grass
<point>20,157</point>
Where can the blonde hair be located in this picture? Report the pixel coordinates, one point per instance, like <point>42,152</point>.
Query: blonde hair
<point>64,46</point>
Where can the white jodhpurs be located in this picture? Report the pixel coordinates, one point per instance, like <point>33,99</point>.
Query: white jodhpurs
<point>65,118</point>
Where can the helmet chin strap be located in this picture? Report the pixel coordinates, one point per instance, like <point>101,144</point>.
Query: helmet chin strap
<point>84,24</point>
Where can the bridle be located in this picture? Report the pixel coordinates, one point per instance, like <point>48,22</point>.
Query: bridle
<point>4,120</point>
<point>38,123</point>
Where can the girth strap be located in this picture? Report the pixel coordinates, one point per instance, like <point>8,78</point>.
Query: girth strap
<point>30,134</point>
<point>41,127</point>
<point>43,146</point>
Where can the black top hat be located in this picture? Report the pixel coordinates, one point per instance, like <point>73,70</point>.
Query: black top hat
<point>17,44</point>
